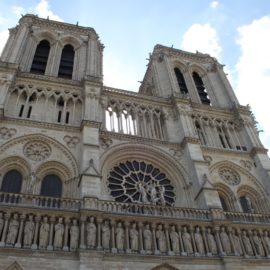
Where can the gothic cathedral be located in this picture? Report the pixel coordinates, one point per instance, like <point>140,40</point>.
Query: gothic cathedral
<point>93,177</point>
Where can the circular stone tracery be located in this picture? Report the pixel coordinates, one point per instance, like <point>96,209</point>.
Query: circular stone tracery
<point>37,151</point>
<point>140,182</point>
<point>229,176</point>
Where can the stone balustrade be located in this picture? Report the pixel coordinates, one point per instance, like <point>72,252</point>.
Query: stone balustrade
<point>238,217</point>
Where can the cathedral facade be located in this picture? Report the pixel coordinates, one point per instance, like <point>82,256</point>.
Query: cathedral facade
<point>93,177</point>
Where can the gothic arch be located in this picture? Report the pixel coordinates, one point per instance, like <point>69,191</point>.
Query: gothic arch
<point>158,158</point>
<point>198,69</point>
<point>182,66</point>
<point>74,41</point>
<point>40,35</point>
<point>228,164</point>
<point>164,266</point>
<point>73,168</point>
<point>15,163</point>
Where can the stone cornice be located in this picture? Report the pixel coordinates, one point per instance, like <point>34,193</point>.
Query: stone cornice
<point>6,66</point>
<point>38,124</point>
<point>224,151</point>
<point>48,79</point>
<point>127,137</point>
<point>87,123</point>
<point>258,150</point>
<point>35,20</point>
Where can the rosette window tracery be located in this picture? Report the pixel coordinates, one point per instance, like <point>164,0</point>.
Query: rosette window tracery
<point>140,182</point>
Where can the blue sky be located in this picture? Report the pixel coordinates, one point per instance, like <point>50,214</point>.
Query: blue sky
<point>236,32</point>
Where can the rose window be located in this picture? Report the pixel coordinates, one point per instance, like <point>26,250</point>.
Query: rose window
<point>140,182</point>
<point>230,176</point>
<point>37,151</point>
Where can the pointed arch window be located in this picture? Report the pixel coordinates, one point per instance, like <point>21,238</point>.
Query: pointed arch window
<point>181,81</point>
<point>51,186</point>
<point>41,57</point>
<point>223,203</point>
<point>66,62</point>
<point>12,182</point>
<point>201,89</point>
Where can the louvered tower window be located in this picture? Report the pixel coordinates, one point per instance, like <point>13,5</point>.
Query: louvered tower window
<point>41,57</point>
<point>66,63</point>
<point>181,81</point>
<point>201,89</point>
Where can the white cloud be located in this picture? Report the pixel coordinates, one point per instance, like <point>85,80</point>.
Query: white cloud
<point>3,39</point>
<point>43,10</point>
<point>202,38</point>
<point>18,11</point>
<point>253,69</point>
<point>214,4</point>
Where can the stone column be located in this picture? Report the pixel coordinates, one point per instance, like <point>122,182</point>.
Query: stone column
<point>216,231</point>
<point>205,241</point>
<point>50,246</point>
<point>34,245</point>
<point>114,249</point>
<point>65,247</point>
<point>140,226</point>
<point>153,227</point>
<point>182,250</point>
<point>169,250</point>
<point>4,234</point>
<point>99,221</point>
<point>19,238</point>
<point>128,250</point>
<point>82,233</point>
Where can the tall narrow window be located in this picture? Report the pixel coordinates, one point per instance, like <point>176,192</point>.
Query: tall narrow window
<point>41,57</point>
<point>12,182</point>
<point>246,204</point>
<point>51,186</point>
<point>181,81</point>
<point>66,63</point>
<point>223,203</point>
<point>201,89</point>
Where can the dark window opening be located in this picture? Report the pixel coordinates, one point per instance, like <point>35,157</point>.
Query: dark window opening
<point>33,97</point>
<point>67,117</point>
<point>201,89</point>
<point>246,204</point>
<point>60,102</point>
<point>41,57</point>
<point>29,112</point>
<point>12,182</point>
<point>223,203</point>
<point>59,116</point>
<point>181,81</point>
<point>51,186</point>
<point>66,63</point>
<point>21,111</point>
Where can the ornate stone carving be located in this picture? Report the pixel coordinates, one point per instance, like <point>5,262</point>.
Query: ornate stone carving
<point>29,229</point>
<point>246,164</point>
<point>105,142</point>
<point>236,243</point>
<point>7,133</point>
<point>225,241</point>
<point>74,235</point>
<point>211,242</point>
<point>247,244</point>
<point>120,236</point>
<point>59,230</point>
<point>187,241</point>
<point>106,235</point>
<point>230,176</point>
<point>161,239</point>
<point>140,182</point>
<point>37,150</point>
<point>134,237</point>
<point>91,233</point>
<point>12,230</point>
<point>71,141</point>
<point>258,244</point>
<point>174,240</point>
<point>147,239</point>
<point>44,234</point>
<point>199,241</point>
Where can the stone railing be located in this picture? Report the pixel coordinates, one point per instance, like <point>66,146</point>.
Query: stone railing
<point>145,209</point>
<point>237,217</point>
<point>38,201</point>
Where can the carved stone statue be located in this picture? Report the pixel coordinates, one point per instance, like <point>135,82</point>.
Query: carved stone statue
<point>44,234</point>
<point>120,236</point>
<point>13,230</point>
<point>74,235</point>
<point>91,233</point>
<point>32,180</point>
<point>225,241</point>
<point>258,244</point>
<point>161,239</point>
<point>134,237</point>
<point>236,243</point>
<point>161,195</point>
<point>143,193</point>
<point>59,230</point>
<point>247,244</point>
<point>153,193</point>
<point>211,242</point>
<point>187,241</point>
<point>2,221</point>
<point>29,229</point>
<point>199,241</point>
<point>147,238</point>
<point>266,240</point>
<point>174,240</point>
<point>106,234</point>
